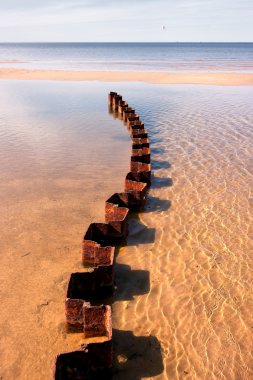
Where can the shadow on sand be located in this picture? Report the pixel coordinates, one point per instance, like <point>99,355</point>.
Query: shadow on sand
<point>157,150</point>
<point>139,233</point>
<point>157,204</point>
<point>138,282</point>
<point>160,164</point>
<point>158,182</point>
<point>136,357</point>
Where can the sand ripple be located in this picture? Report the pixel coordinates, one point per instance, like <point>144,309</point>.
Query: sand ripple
<point>199,306</point>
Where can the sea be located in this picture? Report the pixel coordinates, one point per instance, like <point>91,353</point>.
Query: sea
<point>173,57</point>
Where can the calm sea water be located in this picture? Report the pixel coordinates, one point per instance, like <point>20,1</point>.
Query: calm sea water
<point>130,56</point>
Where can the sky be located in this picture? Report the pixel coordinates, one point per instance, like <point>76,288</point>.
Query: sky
<point>126,21</point>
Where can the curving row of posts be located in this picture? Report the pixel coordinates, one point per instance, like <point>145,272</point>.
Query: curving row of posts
<point>89,293</point>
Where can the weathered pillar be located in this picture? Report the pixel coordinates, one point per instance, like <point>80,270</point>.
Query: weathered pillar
<point>131,118</point>
<point>139,177</point>
<point>121,106</point>
<point>139,133</point>
<point>115,101</point>
<point>136,124</point>
<point>127,111</point>
<point>138,142</point>
<point>97,321</point>
<point>142,155</point>
<point>117,215</point>
<point>111,95</point>
<point>140,167</point>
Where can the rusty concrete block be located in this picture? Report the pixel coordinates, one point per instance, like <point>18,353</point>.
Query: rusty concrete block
<point>138,146</point>
<point>139,188</point>
<point>89,251</point>
<point>128,114</point>
<point>140,177</point>
<point>97,282</point>
<point>111,95</point>
<point>139,167</point>
<point>127,111</point>
<point>145,158</point>
<point>140,143</point>
<point>136,124</point>
<point>74,312</point>
<point>92,362</point>
<point>104,256</point>
<point>120,199</point>
<point>142,155</point>
<point>139,133</point>
<point>83,289</point>
<point>130,199</point>
<point>140,151</point>
<point>97,321</point>
<point>115,101</point>
<point>103,234</point>
<point>121,106</point>
<point>132,117</point>
<point>117,215</point>
<point>138,193</point>
<point>95,254</point>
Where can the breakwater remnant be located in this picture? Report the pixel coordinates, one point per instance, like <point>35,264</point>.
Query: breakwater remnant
<point>89,294</point>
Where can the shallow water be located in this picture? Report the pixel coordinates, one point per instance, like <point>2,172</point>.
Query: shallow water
<point>193,243</point>
<point>59,151</point>
<point>183,305</point>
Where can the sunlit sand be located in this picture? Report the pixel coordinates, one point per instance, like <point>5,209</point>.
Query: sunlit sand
<point>225,79</point>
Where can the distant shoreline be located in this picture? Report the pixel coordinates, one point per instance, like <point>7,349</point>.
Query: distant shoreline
<point>213,78</point>
<point>125,42</point>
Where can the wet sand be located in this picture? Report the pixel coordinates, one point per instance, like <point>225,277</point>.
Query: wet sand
<point>211,78</point>
<point>183,305</point>
<point>54,148</point>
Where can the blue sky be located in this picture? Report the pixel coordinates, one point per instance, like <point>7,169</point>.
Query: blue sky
<point>129,20</point>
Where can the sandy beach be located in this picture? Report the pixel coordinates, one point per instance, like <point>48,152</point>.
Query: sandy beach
<point>212,78</point>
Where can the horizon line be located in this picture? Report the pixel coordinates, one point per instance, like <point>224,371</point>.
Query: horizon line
<point>126,42</point>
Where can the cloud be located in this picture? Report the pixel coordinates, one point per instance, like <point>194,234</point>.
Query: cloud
<point>132,20</point>
<point>18,5</point>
